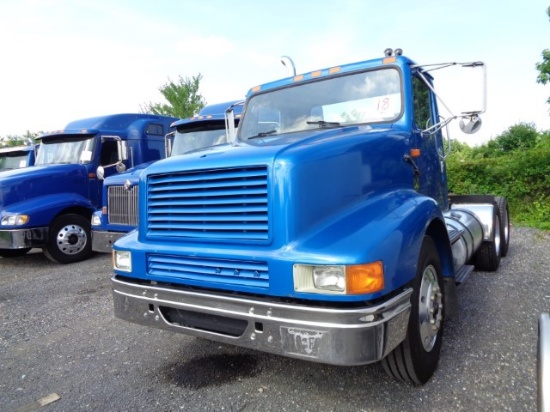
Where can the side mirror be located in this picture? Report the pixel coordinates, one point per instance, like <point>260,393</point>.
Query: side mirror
<point>100,172</point>
<point>122,147</point>
<point>120,167</point>
<point>169,143</point>
<point>472,126</point>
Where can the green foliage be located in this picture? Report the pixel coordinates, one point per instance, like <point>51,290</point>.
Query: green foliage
<point>544,66</point>
<point>522,136</point>
<point>183,97</point>
<point>26,139</point>
<point>516,165</point>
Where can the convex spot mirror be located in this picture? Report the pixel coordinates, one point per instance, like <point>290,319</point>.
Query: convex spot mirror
<point>470,125</point>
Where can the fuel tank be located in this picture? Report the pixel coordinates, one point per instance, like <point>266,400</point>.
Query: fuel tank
<point>465,233</point>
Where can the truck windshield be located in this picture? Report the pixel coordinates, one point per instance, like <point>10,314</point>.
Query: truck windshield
<point>63,150</point>
<point>359,98</point>
<point>192,140</point>
<point>13,160</point>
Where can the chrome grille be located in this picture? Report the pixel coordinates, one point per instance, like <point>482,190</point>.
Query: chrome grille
<point>122,205</point>
<point>226,271</point>
<point>209,204</point>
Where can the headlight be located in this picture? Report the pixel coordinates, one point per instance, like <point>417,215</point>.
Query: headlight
<point>96,219</point>
<point>339,279</point>
<point>14,220</point>
<point>122,260</point>
<point>330,278</point>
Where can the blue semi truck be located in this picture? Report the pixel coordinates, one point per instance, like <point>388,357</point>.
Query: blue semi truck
<point>119,214</point>
<point>16,157</point>
<point>49,205</point>
<point>324,232</point>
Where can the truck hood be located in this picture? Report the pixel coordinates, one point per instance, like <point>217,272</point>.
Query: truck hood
<point>132,175</point>
<point>31,182</point>
<point>269,149</point>
<point>310,176</point>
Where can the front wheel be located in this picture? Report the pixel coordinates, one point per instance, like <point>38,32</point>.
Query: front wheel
<point>416,358</point>
<point>69,239</point>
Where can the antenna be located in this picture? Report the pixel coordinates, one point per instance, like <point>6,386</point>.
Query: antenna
<point>289,64</point>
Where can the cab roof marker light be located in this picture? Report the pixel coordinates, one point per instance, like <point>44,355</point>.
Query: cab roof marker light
<point>333,70</point>
<point>316,73</point>
<point>298,78</point>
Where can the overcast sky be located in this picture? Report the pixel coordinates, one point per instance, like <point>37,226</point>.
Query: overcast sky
<point>63,60</point>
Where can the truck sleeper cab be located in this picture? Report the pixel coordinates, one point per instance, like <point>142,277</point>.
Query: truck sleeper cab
<point>119,213</point>
<point>49,205</point>
<point>324,233</point>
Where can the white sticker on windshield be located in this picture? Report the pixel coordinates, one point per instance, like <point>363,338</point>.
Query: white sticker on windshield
<point>22,163</point>
<point>86,156</point>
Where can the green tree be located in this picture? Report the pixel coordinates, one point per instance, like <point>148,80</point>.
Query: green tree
<point>13,140</point>
<point>544,66</point>
<point>183,97</point>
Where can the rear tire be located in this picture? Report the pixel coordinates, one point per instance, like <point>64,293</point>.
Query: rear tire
<point>415,359</point>
<point>502,204</point>
<point>487,258</point>
<point>69,239</point>
<point>10,253</point>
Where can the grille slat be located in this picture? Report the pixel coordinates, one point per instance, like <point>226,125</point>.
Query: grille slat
<point>187,194</point>
<point>209,204</point>
<point>213,184</point>
<point>122,205</point>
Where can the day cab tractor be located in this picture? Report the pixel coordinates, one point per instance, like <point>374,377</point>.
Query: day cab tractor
<point>324,232</point>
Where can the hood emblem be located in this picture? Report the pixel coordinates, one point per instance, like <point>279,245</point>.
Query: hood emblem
<point>127,184</point>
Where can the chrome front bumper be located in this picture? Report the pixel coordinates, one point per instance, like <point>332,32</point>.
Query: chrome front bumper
<point>23,238</point>
<point>327,335</point>
<point>102,241</point>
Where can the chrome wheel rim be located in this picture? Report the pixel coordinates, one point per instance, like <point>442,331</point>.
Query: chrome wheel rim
<point>71,239</point>
<point>430,309</point>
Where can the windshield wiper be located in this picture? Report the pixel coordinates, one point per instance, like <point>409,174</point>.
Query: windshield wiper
<point>262,134</point>
<point>323,123</point>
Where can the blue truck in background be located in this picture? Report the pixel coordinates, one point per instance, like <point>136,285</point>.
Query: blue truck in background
<point>49,205</point>
<point>324,232</point>
<point>119,214</point>
<point>16,157</point>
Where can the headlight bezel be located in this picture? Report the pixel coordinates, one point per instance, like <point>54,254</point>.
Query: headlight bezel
<point>122,260</point>
<point>339,279</point>
<point>14,219</point>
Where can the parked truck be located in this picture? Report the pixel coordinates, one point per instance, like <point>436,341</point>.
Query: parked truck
<point>16,157</point>
<point>49,205</point>
<point>324,232</point>
<point>119,214</point>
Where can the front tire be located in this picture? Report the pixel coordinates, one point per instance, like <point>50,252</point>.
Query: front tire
<point>416,358</point>
<point>69,239</point>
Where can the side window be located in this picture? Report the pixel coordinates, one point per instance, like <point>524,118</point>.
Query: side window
<point>421,102</point>
<point>155,129</point>
<point>109,154</point>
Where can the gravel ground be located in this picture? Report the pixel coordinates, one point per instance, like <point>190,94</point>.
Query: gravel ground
<point>58,337</point>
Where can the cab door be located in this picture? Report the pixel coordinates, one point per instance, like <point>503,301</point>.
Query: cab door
<point>431,178</point>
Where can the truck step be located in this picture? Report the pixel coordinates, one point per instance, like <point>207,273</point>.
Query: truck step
<point>463,274</point>
<point>454,235</point>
